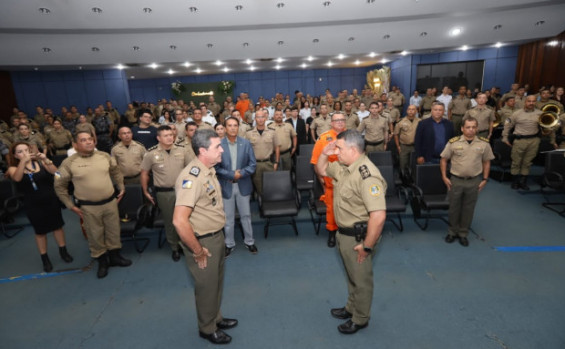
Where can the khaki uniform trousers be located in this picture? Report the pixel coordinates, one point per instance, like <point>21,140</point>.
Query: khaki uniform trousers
<point>166,202</point>
<point>359,279</point>
<point>102,225</point>
<point>286,161</point>
<point>262,167</point>
<point>404,156</point>
<point>370,148</point>
<point>462,200</point>
<point>523,153</point>
<point>208,282</point>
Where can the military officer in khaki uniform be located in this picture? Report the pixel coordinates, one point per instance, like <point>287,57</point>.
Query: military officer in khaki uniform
<point>404,134</point>
<point>376,130</point>
<point>197,118</point>
<point>199,219</point>
<point>457,109</point>
<point>520,98</point>
<point>59,139</point>
<point>92,173</point>
<point>391,112</point>
<point>35,140</point>
<point>186,143</point>
<point>508,109</point>
<point>398,98</point>
<point>287,140</point>
<point>545,98</point>
<point>352,118</point>
<point>131,115</point>
<point>359,197</point>
<point>470,158</point>
<point>322,123</point>
<point>129,155</point>
<point>165,160</point>
<point>427,100</point>
<point>526,141</point>
<point>484,115</point>
<point>213,106</point>
<point>265,143</point>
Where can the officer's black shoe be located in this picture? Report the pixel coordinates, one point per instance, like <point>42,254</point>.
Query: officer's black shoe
<point>117,260</point>
<point>103,265</point>
<point>252,248</point>
<point>176,256</point>
<point>65,254</point>
<point>350,327</point>
<point>226,324</point>
<point>340,313</point>
<point>47,266</point>
<point>463,241</point>
<point>331,238</point>
<point>218,337</point>
<point>450,238</point>
<point>523,183</point>
<point>516,182</point>
<point>229,251</point>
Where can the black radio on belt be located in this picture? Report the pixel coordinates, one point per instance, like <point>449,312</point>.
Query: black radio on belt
<point>360,229</point>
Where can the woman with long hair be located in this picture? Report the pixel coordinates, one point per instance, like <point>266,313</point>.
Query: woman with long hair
<point>33,175</point>
<point>165,118</point>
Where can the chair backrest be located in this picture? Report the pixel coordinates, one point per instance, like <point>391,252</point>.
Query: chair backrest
<point>388,174</point>
<point>381,158</point>
<point>277,186</point>
<point>428,178</point>
<point>306,150</point>
<point>7,189</point>
<point>131,201</point>
<point>304,173</point>
<point>502,152</point>
<point>555,162</point>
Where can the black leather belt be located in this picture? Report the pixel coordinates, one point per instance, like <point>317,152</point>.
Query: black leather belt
<point>265,160</point>
<point>457,114</point>
<point>94,203</point>
<point>525,136</point>
<point>346,231</point>
<point>286,151</point>
<point>465,178</point>
<point>200,237</point>
<point>408,145</point>
<point>130,177</point>
<point>373,143</point>
<point>163,189</point>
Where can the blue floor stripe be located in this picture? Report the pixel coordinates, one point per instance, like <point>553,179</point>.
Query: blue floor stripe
<point>39,275</point>
<point>531,249</point>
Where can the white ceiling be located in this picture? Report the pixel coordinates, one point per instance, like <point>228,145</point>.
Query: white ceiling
<point>354,28</point>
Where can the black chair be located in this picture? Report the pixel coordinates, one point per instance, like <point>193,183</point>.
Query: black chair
<point>553,181</point>
<point>306,150</point>
<point>279,199</point>
<point>429,193</point>
<point>58,159</point>
<point>10,204</point>
<point>316,206</point>
<point>156,222</point>
<point>381,158</point>
<point>304,173</point>
<point>395,197</point>
<point>502,159</point>
<point>134,214</point>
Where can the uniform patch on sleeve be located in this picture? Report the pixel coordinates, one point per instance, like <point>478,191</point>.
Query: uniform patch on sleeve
<point>186,184</point>
<point>375,190</point>
<point>507,121</point>
<point>57,174</point>
<point>364,171</point>
<point>195,171</point>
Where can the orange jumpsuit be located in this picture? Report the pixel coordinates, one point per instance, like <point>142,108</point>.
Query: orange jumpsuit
<point>328,197</point>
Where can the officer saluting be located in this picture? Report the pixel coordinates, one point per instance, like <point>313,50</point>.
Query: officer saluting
<point>360,199</point>
<point>199,220</point>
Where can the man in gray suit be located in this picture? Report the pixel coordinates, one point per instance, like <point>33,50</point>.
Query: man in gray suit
<point>234,174</point>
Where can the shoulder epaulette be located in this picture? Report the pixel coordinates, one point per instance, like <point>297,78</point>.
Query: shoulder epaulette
<point>484,139</point>
<point>206,122</point>
<point>139,143</point>
<point>152,148</point>
<point>179,145</point>
<point>271,127</point>
<point>251,129</point>
<point>454,139</point>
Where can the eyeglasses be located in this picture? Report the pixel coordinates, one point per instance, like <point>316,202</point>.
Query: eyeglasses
<point>338,120</point>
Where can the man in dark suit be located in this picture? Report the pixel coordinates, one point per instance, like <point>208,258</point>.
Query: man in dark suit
<point>234,174</point>
<point>432,135</point>
<point>299,126</point>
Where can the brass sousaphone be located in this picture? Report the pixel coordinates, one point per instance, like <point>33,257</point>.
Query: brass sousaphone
<point>550,116</point>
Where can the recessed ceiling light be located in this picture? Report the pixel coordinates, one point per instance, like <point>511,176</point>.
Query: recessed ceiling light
<point>153,65</point>
<point>218,62</point>
<point>170,72</point>
<point>553,43</point>
<point>498,44</point>
<point>136,48</point>
<point>210,45</point>
<point>455,31</point>
<point>278,67</point>
<point>329,64</point>
<point>386,36</point>
<point>95,49</point>
<point>341,56</point>
<point>198,71</point>
<point>238,7</point>
<point>372,54</point>
<point>252,68</point>
<point>326,3</point>
<point>36,68</point>
<point>351,38</point>
<point>245,44</point>
<point>464,48</point>
<point>80,68</point>
<point>404,53</point>
<point>316,41</point>
<point>497,27</point>
<point>538,23</point>
<point>226,69</point>
<point>46,49</point>
<point>193,9</point>
<point>384,61</point>
<point>147,10</point>
<point>370,1</point>
<point>310,58</point>
<point>132,77</point>
<point>186,64</point>
<point>423,34</point>
<point>279,60</point>
<point>97,10</point>
<point>172,47</point>
<point>248,61</point>
<point>357,62</point>
<point>280,43</point>
<point>280,5</point>
<point>44,10</point>
<point>303,65</point>
<point>120,66</point>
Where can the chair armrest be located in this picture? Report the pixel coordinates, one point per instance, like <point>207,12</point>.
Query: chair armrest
<point>416,191</point>
<point>12,204</point>
<point>552,177</point>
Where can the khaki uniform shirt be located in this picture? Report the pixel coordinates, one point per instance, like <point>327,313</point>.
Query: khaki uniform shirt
<point>205,126</point>
<point>165,166</point>
<point>59,139</point>
<point>505,112</point>
<point>91,175</point>
<point>525,123</point>
<point>376,128</point>
<point>359,189</point>
<point>483,115</point>
<point>520,101</point>
<point>214,108</point>
<point>34,139</point>
<point>197,187</point>
<point>459,105</point>
<point>392,114</point>
<point>351,121</point>
<point>243,128</point>
<point>398,99</point>
<point>540,104</point>
<point>187,145</point>
<point>129,158</point>
<point>86,127</point>
<point>406,130</point>
<point>263,144</point>
<point>130,116</point>
<point>321,125</point>
<point>427,102</point>
<point>181,130</point>
<point>285,133</point>
<point>467,159</point>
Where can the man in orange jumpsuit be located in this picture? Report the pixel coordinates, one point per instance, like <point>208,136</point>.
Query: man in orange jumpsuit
<point>243,104</point>
<point>338,126</point>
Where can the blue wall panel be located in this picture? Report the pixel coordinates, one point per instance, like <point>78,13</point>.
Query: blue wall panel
<point>76,93</point>
<point>56,94</point>
<point>95,92</point>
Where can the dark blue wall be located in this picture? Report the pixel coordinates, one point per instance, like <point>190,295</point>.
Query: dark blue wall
<point>264,84</point>
<point>55,89</point>
<point>499,69</point>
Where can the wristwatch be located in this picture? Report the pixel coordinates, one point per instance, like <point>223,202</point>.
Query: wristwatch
<point>367,249</point>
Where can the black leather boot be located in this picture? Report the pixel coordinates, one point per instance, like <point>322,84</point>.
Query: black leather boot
<point>117,260</point>
<point>65,254</point>
<point>103,265</point>
<point>47,266</point>
<point>331,238</point>
<point>523,183</point>
<point>516,182</point>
